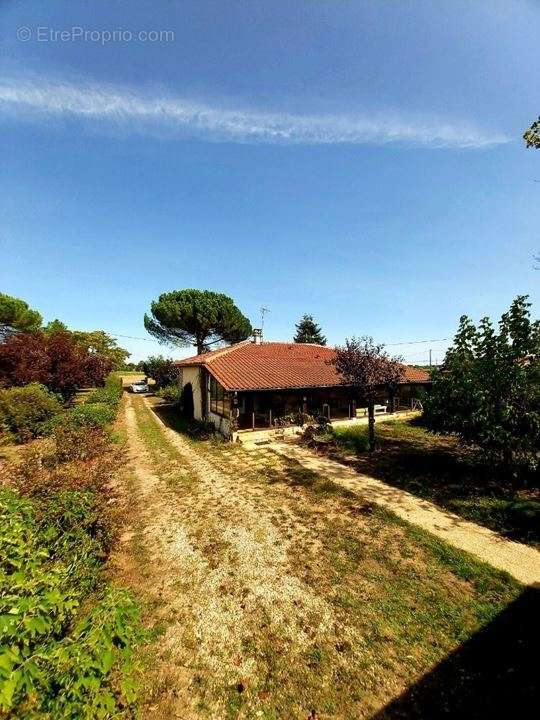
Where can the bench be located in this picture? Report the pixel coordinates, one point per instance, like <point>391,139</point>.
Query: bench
<point>362,412</point>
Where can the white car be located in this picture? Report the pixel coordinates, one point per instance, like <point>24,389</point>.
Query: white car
<point>141,386</point>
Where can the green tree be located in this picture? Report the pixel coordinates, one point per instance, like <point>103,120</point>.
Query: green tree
<point>364,366</point>
<point>307,331</point>
<point>196,317</point>
<point>532,135</point>
<point>17,315</point>
<point>55,326</point>
<point>94,342</point>
<point>488,389</point>
<point>162,370</point>
<point>98,342</point>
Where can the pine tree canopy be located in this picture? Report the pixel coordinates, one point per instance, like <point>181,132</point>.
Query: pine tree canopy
<point>307,331</point>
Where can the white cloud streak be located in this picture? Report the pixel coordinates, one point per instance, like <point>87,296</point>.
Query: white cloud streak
<point>135,111</point>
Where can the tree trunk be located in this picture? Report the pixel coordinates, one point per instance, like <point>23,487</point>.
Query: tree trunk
<point>371,426</point>
<point>199,344</point>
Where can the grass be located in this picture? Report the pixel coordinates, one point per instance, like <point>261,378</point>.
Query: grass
<point>440,470</point>
<point>323,602</point>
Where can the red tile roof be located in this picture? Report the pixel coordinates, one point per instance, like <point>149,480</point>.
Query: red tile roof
<point>277,366</point>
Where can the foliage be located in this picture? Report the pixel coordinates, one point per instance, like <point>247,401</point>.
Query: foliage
<point>24,411</point>
<point>91,415</point>
<point>295,418</point>
<point>196,317</point>
<point>17,315</point>
<point>488,390</point>
<point>67,636</point>
<point>24,359</point>
<point>442,470</point>
<point>98,342</point>
<point>55,326</point>
<point>365,366</point>
<point>307,331</point>
<point>532,135</point>
<point>59,654</point>
<point>162,370</point>
<point>170,393</point>
<point>94,342</point>
<point>99,410</point>
<point>57,361</point>
<point>110,393</point>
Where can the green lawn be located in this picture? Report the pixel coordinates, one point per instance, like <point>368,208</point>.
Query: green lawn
<point>439,469</point>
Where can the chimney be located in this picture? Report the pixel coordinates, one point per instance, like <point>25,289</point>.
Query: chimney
<point>257,336</point>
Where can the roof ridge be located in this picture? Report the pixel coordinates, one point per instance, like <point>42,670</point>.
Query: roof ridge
<point>224,351</point>
<point>206,358</point>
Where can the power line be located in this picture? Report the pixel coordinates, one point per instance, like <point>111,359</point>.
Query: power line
<point>417,342</point>
<point>404,342</point>
<point>131,337</point>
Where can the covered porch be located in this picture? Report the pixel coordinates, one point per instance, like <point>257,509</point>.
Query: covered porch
<point>263,435</point>
<point>261,409</point>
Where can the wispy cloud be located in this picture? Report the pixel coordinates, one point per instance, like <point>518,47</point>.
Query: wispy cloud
<point>137,111</point>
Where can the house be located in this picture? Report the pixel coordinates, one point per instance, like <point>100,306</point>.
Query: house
<point>253,383</point>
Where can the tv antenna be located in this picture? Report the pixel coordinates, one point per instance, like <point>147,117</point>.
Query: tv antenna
<point>264,310</point>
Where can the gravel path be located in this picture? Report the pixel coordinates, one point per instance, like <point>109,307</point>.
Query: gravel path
<point>520,561</point>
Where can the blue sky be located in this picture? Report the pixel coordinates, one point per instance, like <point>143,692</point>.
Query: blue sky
<point>360,161</point>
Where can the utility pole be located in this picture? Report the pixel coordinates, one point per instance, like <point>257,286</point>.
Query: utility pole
<point>430,357</point>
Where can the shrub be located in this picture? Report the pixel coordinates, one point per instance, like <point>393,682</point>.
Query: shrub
<point>111,393</point>
<point>297,418</point>
<point>74,459</point>
<point>170,393</point>
<point>60,654</point>
<point>68,636</point>
<point>97,414</point>
<point>25,411</point>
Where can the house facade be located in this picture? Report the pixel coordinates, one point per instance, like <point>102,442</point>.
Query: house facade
<point>253,384</point>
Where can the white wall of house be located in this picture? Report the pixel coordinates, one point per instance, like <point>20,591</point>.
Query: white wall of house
<point>191,375</point>
<point>222,424</point>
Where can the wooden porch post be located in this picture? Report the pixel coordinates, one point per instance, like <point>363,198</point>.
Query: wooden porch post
<point>233,412</point>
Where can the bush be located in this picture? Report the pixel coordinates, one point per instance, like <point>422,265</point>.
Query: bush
<point>90,415</point>
<point>61,655</point>
<point>25,411</point>
<point>170,393</point>
<point>68,636</point>
<point>111,393</point>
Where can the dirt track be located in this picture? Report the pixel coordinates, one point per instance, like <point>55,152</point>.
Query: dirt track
<point>277,593</point>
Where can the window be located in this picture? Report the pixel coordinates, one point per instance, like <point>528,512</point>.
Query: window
<point>219,401</point>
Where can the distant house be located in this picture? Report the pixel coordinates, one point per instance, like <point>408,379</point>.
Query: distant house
<point>253,383</point>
